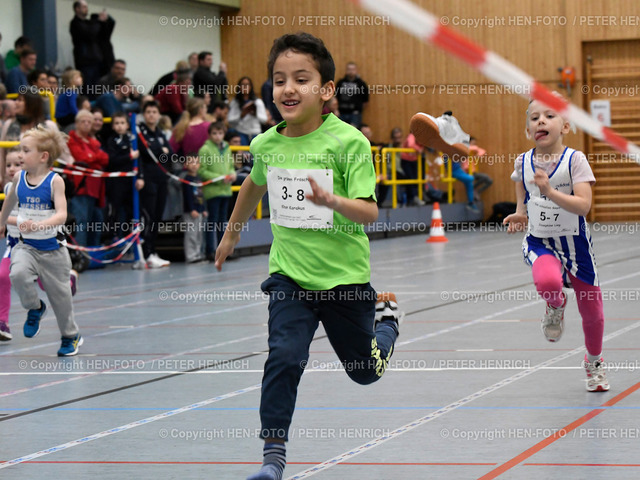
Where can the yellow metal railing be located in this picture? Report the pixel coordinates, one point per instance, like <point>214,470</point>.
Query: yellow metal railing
<point>394,182</point>
<point>447,176</point>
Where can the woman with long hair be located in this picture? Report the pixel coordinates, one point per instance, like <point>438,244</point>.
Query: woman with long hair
<point>190,132</point>
<point>247,113</point>
<point>29,114</point>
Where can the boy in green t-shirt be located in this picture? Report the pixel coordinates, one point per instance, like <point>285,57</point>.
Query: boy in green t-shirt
<point>321,184</point>
<point>216,161</point>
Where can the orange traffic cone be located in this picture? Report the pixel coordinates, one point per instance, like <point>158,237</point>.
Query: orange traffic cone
<point>436,233</point>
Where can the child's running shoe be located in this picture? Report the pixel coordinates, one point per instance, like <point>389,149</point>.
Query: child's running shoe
<point>387,309</point>
<point>69,346</point>
<point>73,278</point>
<point>596,376</point>
<point>553,321</point>
<point>5,332</point>
<point>32,325</point>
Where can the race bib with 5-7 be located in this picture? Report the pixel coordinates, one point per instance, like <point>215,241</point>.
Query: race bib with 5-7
<point>546,219</point>
<point>289,206</point>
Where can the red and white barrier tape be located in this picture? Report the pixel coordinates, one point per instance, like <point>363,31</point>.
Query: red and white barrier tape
<point>425,26</point>
<point>135,231</point>
<point>94,173</point>
<point>130,240</point>
<point>72,167</point>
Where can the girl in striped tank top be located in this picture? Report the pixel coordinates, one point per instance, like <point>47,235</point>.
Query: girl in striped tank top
<point>553,190</point>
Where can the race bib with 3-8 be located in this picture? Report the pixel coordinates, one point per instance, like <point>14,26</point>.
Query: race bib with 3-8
<point>288,203</point>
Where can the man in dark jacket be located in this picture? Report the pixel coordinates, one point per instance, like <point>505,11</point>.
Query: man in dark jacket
<point>205,81</point>
<point>92,49</point>
<point>352,94</point>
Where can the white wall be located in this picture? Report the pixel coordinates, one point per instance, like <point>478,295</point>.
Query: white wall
<point>10,24</point>
<point>149,48</point>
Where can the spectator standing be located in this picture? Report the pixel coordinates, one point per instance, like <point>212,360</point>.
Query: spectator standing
<point>119,190</point>
<point>91,37</point>
<point>153,193</point>
<point>353,95</point>
<point>194,211</point>
<point>205,81</point>
<point>215,161</point>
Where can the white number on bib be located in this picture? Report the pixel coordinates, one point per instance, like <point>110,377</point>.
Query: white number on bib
<point>289,206</point>
<point>546,219</point>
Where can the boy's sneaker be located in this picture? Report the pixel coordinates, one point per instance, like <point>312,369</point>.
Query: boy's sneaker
<point>69,346</point>
<point>5,332</point>
<point>73,279</point>
<point>32,325</point>
<point>553,321</point>
<point>596,376</point>
<point>387,309</point>
<point>154,261</point>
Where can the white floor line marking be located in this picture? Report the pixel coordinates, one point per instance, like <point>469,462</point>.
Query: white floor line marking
<point>310,370</point>
<point>83,375</point>
<point>138,327</point>
<point>128,426</point>
<point>449,408</point>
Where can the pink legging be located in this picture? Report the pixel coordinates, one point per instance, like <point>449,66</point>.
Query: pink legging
<point>547,275</point>
<point>5,290</point>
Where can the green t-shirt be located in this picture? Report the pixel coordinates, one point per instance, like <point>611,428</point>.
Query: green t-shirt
<point>320,259</point>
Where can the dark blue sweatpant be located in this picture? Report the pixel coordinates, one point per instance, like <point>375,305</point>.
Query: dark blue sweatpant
<point>347,313</point>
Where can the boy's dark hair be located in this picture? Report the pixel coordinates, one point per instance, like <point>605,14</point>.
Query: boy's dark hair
<point>149,104</point>
<point>304,43</point>
<point>32,78</point>
<point>216,126</point>
<point>120,115</point>
<point>219,104</point>
<point>231,134</point>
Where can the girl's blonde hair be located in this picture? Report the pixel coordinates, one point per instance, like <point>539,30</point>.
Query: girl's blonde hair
<point>67,77</point>
<point>193,107</point>
<point>48,140</point>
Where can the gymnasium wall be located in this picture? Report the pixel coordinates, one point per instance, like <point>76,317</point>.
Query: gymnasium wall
<point>538,36</point>
<point>150,35</point>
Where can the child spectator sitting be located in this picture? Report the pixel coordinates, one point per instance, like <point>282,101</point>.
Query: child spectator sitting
<point>120,190</point>
<point>215,161</point>
<point>194,212</point>
<point>89,197</point>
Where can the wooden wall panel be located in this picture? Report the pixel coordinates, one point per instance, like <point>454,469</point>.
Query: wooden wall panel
<point>539,36</point>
